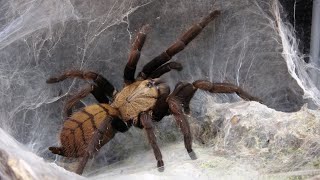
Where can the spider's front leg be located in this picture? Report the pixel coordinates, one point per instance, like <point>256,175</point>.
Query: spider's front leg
<point>134,55</point>
<point>176,47</point>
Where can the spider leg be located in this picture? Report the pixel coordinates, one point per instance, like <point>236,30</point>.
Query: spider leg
<point>98,79</point>
<point>98,138</point>
<point>224,88</point>
<point>146,121</point>
<point>181,96</point>
<point>134,55</point>
<point>178,46</point>
<point>75,99</point>
<point>177,111</point>
<point>165,68</point>
<point>185,91</point>
<point>161,107</point>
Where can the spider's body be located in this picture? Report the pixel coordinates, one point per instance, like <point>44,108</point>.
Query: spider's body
<point>79,128</point>
<point>142,100</point>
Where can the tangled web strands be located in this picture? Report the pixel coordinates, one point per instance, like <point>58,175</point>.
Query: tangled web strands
<point>304,73</point>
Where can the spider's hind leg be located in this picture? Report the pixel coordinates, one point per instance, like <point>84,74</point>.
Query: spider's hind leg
<point>103,85</point>
<point>75,99</point>
<point>103,133</point>
<point>57,150</point>
<point>101,89</point>
<point>119,125</point>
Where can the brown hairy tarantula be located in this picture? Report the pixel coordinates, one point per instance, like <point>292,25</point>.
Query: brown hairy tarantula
<point>142,100</point>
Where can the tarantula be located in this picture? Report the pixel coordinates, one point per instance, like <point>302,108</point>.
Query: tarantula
<point>142,100</point>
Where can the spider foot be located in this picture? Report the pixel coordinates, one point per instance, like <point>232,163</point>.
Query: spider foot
<point>145,29</point>
<point>193,155</point>
<point>57,150</point>
<point>53,80</point>
<point>160,166</point>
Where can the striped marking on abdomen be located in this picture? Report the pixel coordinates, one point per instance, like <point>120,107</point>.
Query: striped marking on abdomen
<point>79,128</point>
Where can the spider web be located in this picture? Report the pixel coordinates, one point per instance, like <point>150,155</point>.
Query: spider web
<point>248,45</point>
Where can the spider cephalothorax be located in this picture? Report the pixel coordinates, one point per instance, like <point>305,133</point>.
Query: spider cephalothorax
<point>137,97</point>
<point>142,100</point>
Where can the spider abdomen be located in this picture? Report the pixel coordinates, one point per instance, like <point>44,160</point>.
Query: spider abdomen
<point>79,128</point>
<point>135,98</point>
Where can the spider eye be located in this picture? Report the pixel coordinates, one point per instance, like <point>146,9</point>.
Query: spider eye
<point>149,84</point>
